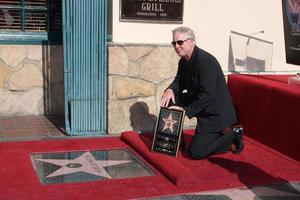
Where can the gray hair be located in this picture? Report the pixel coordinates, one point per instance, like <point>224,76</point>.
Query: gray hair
<point>185,30</point>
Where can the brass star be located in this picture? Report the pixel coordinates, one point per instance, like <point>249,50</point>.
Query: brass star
<point>169,123</point>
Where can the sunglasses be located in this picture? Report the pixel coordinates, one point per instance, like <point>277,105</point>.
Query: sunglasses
<point>179,42</point>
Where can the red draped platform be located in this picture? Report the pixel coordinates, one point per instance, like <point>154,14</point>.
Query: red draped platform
<point>256,165</point>
<point>269,109</point>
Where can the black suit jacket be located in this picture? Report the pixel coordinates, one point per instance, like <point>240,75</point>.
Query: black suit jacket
<point>210,101</point>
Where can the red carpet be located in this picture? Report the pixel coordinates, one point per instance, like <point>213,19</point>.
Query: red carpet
<point>256,165</point>
<point>268,109</point>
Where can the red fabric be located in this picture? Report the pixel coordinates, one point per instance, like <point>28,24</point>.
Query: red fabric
<point>169,166</point>
<point>278,78</point>
<point>269,109</point>
<point>19,181</point>
<point>256,165</point>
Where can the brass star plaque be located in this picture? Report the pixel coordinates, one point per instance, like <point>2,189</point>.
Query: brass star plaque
<point>167,135</point>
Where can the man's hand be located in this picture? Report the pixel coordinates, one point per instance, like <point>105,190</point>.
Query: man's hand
<point>176,108</point>
<point>166,97</point>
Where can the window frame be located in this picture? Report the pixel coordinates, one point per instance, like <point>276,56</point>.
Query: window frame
<point>28,37</point>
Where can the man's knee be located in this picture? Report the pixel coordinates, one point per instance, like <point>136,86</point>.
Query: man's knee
<point>197,155</point>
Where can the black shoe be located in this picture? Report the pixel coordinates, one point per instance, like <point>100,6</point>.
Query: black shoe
<point>238,141</point>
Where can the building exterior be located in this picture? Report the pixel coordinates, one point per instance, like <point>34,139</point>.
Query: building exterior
<point>140,59</point>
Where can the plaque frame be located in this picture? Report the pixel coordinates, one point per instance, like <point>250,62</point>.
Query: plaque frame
<point>159,20</point>
<point>168,131</point>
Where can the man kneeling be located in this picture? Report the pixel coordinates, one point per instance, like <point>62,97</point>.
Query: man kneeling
<point>205,97</point>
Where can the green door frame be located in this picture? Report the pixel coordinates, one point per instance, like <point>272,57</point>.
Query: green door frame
<point>85,66</point>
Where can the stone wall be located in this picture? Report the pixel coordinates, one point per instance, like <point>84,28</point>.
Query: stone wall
<point>138,75</point>
<point>31,80</point>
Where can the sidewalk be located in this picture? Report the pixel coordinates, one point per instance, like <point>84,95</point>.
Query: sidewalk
<point>31,127</point>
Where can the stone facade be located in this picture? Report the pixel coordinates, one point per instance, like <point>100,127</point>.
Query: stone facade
<point>31,83</point>
<point>31,80</point>
<point>138,75</point>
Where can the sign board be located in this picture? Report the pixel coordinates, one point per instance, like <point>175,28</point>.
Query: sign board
<point>165,11</point>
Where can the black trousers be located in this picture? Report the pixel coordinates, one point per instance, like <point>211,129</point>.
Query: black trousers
<point>206,144</point>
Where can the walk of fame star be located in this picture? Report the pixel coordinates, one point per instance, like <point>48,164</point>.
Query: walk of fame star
<point>169,123</point>
<point>84,163</point>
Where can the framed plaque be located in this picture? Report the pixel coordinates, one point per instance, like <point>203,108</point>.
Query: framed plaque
<point>166,11</point>
<point>168,131</point>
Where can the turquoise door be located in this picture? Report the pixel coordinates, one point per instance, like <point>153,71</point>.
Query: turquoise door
<point>85,66</point>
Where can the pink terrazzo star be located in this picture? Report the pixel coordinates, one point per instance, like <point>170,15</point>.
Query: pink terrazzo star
<point>84,163</point>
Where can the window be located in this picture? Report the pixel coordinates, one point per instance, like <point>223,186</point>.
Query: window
<point>29,20</point>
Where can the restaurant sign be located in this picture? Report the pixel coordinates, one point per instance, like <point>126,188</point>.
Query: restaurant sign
<point>166,11</point>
